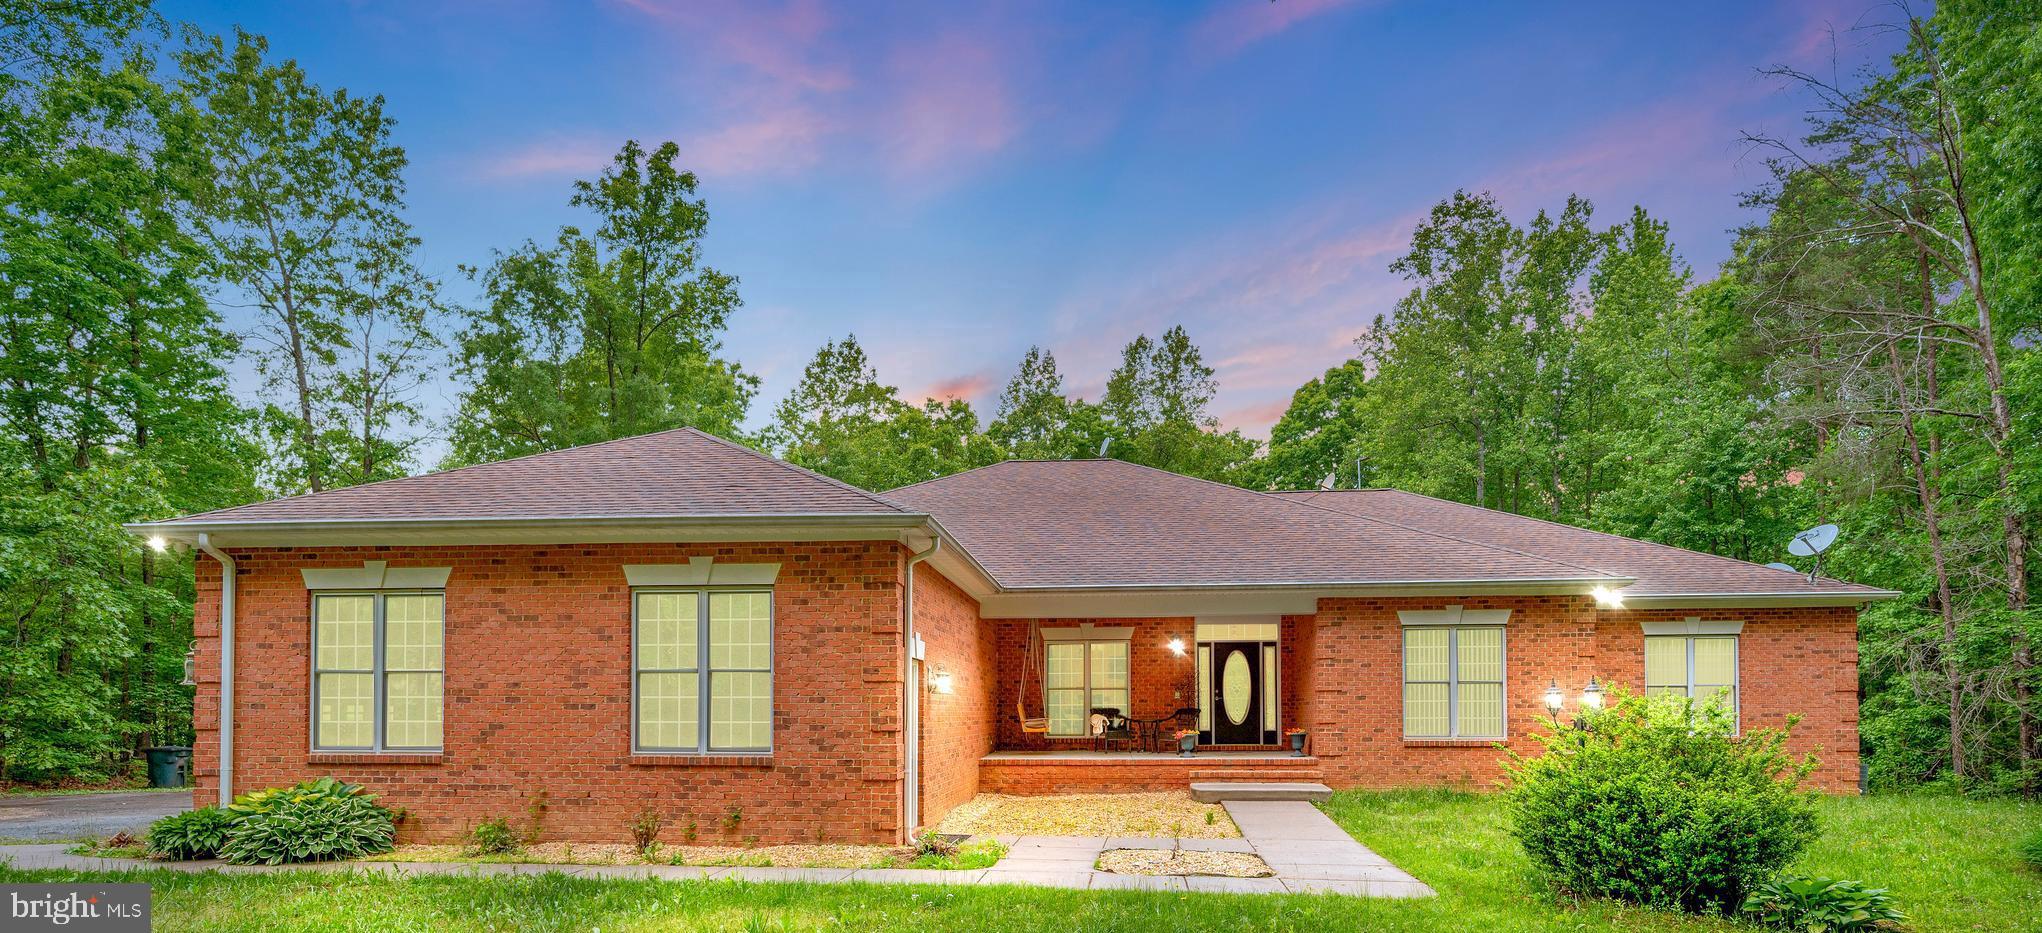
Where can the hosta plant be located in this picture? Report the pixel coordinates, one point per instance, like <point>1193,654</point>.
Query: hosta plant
<point>193,834</point>
<point>311,822</point>
<point>1821,905</point>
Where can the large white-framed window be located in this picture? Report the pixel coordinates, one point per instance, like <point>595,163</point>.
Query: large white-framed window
<point>702,655</point>
<point>1701,667</point>
<point>378,670</point>
<point>1079,677</point>
<point>1453,682</point>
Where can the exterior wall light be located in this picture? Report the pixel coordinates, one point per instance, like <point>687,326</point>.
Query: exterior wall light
<point>1591,697</point>
<point>1607,598</point>
<point>1554,698</point>
<point>191,667</point>
<point>1176,646</point>
<point>940,681</point>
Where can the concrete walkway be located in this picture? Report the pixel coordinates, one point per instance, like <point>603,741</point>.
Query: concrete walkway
<point>1291,836</point>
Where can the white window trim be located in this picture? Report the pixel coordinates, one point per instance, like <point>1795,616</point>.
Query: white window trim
<point>704,672</point>
<point>379,695</point>
<point>1453,682</point>
<point>1102,636</point>
<point>1736,667</point>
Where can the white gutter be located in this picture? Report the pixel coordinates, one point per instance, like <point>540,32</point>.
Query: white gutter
<point>226,666</point>
<point>911,693</point>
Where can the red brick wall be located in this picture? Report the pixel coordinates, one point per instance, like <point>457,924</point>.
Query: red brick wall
<point>956,728</point>
<point>1039,776</point>
<point>1791,661</point>
<point>538,694</point>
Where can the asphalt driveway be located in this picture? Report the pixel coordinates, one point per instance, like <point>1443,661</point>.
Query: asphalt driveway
<point>86,816</point>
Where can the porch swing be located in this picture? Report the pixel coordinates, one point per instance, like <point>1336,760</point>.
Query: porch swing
<point>1030,725</point>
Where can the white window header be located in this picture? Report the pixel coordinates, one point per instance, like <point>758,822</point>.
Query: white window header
<point>1692,625</point>
<point>1454,615</point>
<point>701,571</point>
<point>377,575</point>
<point>1089,632</point>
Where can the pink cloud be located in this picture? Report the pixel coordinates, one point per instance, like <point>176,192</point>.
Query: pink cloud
<point>552,157</point>
<point>773,142</point>
<point>1237,24</point>
<point>968,387</point>
<point>952,101</point>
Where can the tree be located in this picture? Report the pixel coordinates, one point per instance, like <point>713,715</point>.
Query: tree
<point>1321,433</point>
<point>603,335</point>
<point>1157,409</point>
<point>842,422</point>
<point>301,207</point>
<point>1037,421</point>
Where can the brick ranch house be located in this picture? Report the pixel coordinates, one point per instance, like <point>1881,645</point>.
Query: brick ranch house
<point>674,621</point>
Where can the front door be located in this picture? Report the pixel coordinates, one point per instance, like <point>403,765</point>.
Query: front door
<point>1236,700</point>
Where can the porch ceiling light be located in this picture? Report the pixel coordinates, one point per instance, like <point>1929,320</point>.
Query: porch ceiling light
<point>1176,646</point>
<point>1607,598</point>
<point>1591,696</point>
<point>1554,698</point>
<point>940,681</point>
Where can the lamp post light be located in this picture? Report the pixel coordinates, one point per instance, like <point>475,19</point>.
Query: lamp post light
<point>1591,696</point>
<point>1554,698</point>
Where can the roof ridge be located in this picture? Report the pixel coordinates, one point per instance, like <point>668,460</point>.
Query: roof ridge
<point>983,466</point>
<point>776,461</point>
<point>1483,544</point>
<point>1366,518</point>
<point>1594,531</point>
<point>445,472</point>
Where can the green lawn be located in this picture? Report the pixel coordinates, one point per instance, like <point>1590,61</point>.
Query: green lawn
<point>1949,861</point>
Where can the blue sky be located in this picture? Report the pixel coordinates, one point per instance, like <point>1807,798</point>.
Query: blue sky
<point>953,182</point>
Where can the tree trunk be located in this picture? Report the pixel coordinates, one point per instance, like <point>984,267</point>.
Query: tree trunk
<point>1932,524</point>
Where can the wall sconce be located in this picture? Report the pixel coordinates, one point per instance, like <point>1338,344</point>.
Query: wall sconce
<point>191,667</point>
<point>1591,697</point>
<point>1176,646</point>
<point>940,681</point>
<point>1554,698</point>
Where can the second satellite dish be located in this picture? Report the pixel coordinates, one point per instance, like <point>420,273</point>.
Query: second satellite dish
<point>1813,541</point>
<point>1776,565</point>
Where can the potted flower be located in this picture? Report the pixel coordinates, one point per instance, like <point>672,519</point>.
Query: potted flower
<point>1187,741</point>
<point>1297,742</point>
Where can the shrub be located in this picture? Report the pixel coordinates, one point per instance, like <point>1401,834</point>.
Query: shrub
<point>193,834</point>
<point>494,837</point>
<point>313,821</point>
<point>933,843</point>
<point>1821,905</point>
<point>645,830</point>
<point>1656,803</point>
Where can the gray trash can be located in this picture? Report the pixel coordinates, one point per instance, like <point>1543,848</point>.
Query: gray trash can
<point>168,765</point>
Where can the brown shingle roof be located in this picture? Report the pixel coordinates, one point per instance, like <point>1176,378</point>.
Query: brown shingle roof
<point>1660,570</point>
<point>1097,523</point>
<point>677,473</point>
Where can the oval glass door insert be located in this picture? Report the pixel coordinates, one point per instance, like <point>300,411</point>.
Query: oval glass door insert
<point>1235,686</point>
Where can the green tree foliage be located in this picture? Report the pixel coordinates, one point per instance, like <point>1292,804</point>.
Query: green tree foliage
<point>842,422</point>
<point>605,334</point>
<point>1037,421</point>
<point>300,208</point>
<point>114,403</point>
<point>1157,407</point>
<point>1319,435</point>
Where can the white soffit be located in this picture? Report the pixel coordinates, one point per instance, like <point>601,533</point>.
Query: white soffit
<point>1693,625</point>
<point>377,575</point>
<point>1453,615</point>
<point>701,571</point>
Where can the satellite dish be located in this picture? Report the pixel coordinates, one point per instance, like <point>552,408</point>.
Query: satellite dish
<point>1813,541</point>
<point>1108,442</point>
<point>1327,483</point>
<point>1776,565</point>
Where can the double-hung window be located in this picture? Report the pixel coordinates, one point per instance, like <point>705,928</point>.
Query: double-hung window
<point>1453,682</point>
<point>1701,667</point>
<point>378,671</point>
<point>702,656</point>
<point>1079,677</point>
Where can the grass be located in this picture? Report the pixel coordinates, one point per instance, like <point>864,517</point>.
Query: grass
<point>1951,862</point>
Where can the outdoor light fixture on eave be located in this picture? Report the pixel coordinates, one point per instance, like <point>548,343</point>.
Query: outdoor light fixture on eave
<point>157,544</point>
<point>1607,598</point>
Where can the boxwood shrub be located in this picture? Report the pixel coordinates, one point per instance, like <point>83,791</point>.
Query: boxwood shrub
<point>312,821</point>
<point>193,834</point>
<point>1656,802</point>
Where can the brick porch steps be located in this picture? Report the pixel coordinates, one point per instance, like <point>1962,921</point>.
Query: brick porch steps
<point>1216,791</point>
<point>1257,774</point>
<point>1007,773</point>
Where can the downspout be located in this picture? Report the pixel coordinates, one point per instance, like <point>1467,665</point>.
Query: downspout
<point>911,694</point>
<point>226,666</point>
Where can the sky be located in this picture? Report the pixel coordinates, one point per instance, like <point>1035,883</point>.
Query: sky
<point>955,182</point>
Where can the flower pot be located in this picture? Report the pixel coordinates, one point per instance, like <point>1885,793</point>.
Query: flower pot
<point>1297,745</point>
<point>1186,745</point>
